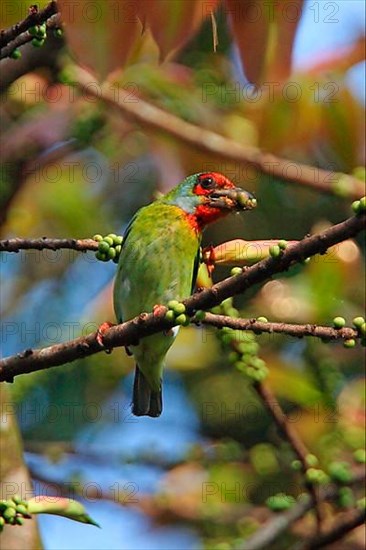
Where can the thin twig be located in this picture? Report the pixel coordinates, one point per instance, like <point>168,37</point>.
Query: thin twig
<point>270,531</point>
<point>220,147</point>
<point>289,432</point>
<point>291,329</point>
<point>130,332</point>
<point>14,245</point>
<point>342,527</point>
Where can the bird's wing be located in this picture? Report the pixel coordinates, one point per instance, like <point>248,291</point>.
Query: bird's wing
<point>196,266</point>
<point>128,229</point>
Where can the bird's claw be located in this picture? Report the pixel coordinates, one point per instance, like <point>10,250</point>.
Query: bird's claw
<point>208,256</point>
<point>102,329</point>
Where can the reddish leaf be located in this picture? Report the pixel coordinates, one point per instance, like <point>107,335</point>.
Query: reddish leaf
<point>101,34</point>
<point>265,34</point>
<point>250,24</point>
<point>174,22</point>
<point>287,17</point>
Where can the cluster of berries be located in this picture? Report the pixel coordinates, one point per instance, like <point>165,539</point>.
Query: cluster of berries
<point>242,345</point>
<point>338,472</point>
<point>109,247</point>
<point>359,207</point>
<point>359,323</point>
<point>39,33</point>
<point>13,511</point>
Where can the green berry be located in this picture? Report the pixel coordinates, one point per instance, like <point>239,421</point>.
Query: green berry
<point>172,304</point>
<point>16,54</point>
<point>340,472</point>
<point>103,247</point>
<point>182,319</point>
<point>19,520</point>
<point>262,319</point>
<point>108,240</point>
<point>18,499</point>
<point>111,253</point>
<point>200,315</point>
<point>282,244</point>
<point>358,322</point>
<point>2,522</point>
<point>280,502</point>
<point>311,460</point>
<point>101,256</point>
<point>275,251</point>
<point>10,503</point>
<point>356,207</point>
<point>58,33</point>
<point>97,237</point>
<point>118,240</point>
<point>360,456</point>
<point>118,248</point>
<point>236,271</point>
<point>112,236</point>
<point>362,206</point>
<point>169,316</point>
<point>346,498</point>
<point>339,322</point>
<point>316,476</point>
<point>37,43</point>
<point>9,513</point>
<point>349,343</point>
<point>363,328</point>
<point>179,308</point>
<point>296,465</point>
<point>33,31</point>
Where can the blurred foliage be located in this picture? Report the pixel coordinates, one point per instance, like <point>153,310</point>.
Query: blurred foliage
<point>72,167</point>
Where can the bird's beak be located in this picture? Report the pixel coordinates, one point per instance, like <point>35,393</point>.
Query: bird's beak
<point>235,199</point>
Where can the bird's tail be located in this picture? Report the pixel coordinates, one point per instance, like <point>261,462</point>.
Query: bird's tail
<point>146,402</point>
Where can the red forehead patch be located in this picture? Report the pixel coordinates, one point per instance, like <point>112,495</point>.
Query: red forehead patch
<point>219,180</point>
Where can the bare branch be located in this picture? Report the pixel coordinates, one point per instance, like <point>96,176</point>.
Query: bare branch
<point>270,531</point>
<point>130,332</point>
<point>350,521</point>
<point>220,147</point>
<point>14,245</point>
<point>291,329</point>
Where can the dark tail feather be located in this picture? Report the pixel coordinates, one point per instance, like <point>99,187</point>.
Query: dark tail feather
<point>145,401</point>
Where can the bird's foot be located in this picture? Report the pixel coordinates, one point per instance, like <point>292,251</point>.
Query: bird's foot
<point>208,256</point>
<point>102,329</point>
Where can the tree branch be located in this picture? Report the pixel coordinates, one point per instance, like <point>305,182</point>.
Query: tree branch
<point>53,22</point>
<point>291,329</point>
<point>353,519</point>
<point>14,245</point>
<point>288,431</point>
<point>269,532</point>
<point>130,332</point>
<point>150,116</point>
<point>34,18</point>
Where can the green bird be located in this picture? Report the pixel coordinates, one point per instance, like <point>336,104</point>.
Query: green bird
<point>159,262</point>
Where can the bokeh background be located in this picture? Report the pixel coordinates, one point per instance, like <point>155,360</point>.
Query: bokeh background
<point>198,476</point>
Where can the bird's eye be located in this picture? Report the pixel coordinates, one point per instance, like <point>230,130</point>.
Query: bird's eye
<point>207,183</point>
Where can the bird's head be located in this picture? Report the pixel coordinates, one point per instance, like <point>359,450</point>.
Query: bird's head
<point>208,196</point>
